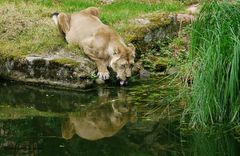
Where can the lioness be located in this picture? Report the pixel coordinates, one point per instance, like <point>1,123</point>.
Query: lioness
<point>98,41</point>
<point>97,123</point>
<point>102,120</point>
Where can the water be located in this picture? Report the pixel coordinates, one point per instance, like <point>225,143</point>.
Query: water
<point>138,120</point>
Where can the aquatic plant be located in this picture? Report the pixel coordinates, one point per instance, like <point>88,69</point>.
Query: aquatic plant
<point>215,54</point>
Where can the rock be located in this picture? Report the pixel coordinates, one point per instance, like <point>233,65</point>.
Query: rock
<point>141,21</point>
<point>148,31</point>
<point>184,18</point>
<point>144,74</point>
<point>172,71</point>
<point>193,9</point>
<point>106,1</point>
<point>59,70</point>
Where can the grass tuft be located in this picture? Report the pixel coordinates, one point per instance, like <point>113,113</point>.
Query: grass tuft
<point>215,53</point>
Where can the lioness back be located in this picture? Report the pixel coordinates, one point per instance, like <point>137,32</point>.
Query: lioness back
<point>82,26</point>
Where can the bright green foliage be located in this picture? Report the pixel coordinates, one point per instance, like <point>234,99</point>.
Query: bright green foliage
<point>215,54</point>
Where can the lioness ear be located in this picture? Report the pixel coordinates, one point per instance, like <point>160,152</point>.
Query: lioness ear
<point>132,49</point>
<point>64,22</point>
<point>131,46</point>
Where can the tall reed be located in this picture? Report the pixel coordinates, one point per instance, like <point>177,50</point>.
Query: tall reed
<point>215,54</point>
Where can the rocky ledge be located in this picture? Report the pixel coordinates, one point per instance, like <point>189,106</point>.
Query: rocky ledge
<point>58,70</point>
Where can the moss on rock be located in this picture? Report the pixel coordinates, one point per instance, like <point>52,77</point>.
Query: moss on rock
<point>65,61</point>
<point>147,31</point>
<point>138,28</point>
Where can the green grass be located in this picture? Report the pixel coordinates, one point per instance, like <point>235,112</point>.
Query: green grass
<point>215,54</point>
<point>26,26</point>
<point>28,30</point>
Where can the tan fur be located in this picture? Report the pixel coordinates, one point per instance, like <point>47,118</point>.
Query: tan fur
<point>64,21</point>
<point>92,10</point>
<point>99,42</point>
<point>100,121</point>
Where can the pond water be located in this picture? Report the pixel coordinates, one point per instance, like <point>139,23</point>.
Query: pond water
<point>141,119</point>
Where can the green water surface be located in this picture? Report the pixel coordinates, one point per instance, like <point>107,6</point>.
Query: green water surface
<point>142,119</point>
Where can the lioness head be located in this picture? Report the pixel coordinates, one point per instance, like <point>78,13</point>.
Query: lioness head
<point>122,62</point>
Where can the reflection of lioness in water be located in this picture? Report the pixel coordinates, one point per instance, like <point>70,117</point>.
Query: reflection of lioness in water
<point>97,123</point>
<point>100,42</point>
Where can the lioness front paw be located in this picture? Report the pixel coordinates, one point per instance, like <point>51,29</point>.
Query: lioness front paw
<point>103,76</point>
